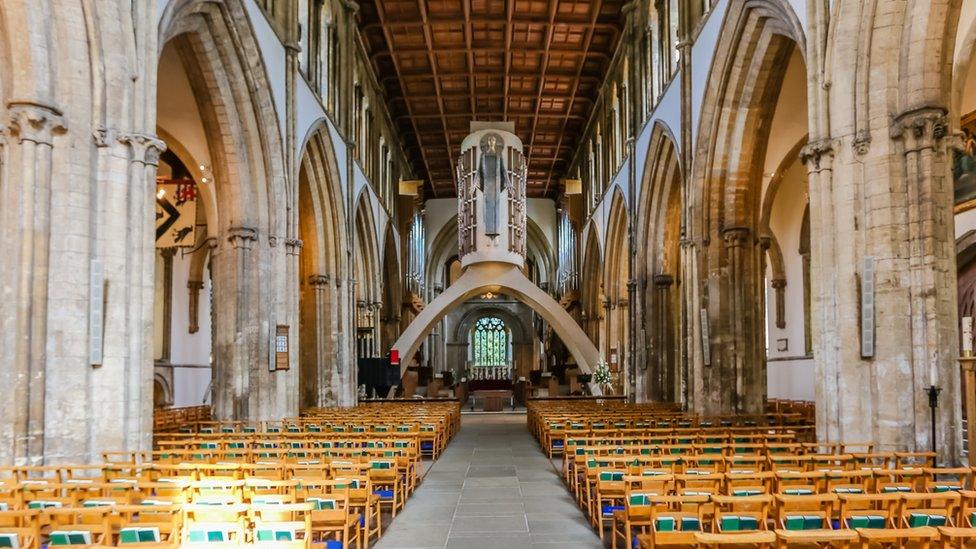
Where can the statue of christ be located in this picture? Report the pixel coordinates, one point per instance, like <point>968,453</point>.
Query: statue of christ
<point>494,179</point>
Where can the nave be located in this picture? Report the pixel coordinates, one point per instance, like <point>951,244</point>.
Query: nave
<point>492,488</point>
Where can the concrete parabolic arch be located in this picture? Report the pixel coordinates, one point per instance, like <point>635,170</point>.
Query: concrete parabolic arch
<point>498,277</point>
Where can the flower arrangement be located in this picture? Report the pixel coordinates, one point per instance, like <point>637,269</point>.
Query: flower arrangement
<point>602,375</point>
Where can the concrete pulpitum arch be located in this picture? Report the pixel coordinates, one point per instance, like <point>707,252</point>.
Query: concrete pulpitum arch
<point>500,278</point>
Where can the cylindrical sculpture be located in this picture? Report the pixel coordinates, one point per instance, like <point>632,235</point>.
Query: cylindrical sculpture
<point>491,197</point>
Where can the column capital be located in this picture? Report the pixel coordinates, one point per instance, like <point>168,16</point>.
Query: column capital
<point>778,283</point>
<point>663,280</point>
<point>293,246</point>
<point>35,122</point>
<point>816,152</point>
<point>920,127</point>
<point>242,237</point>
<point>196,285</point>
<point>736,236</point>
<point>145,147</point>
<point>320,280</point>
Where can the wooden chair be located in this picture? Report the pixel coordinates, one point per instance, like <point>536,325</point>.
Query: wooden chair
<point>921,538</point>
<point>759,538</point>
<point>282,526</point>
<point>674,521</point>
<point>740,513</point>
<point>76,526</point>
<point>148,525</point>
<point>21,528</point>
<point>818,538</point>
<point>206,525</point>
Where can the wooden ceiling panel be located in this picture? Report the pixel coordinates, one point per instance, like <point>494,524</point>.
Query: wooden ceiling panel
<point>537,63</point>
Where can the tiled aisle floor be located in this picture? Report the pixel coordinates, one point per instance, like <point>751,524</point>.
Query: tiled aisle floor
<point>493,487</point>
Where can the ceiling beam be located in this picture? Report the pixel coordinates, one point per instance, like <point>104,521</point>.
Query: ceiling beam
<point>396,65</point>
<point>572,96</point>
<point>553,5</point>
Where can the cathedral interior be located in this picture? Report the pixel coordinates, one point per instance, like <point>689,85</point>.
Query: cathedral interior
<point>487,273</point>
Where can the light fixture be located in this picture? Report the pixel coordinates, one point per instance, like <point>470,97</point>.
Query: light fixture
<point>203,179</point>
<point>488,295</point>
<point>160,193</point>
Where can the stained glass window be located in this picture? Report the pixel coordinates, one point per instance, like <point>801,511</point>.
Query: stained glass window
<point>490,342</point>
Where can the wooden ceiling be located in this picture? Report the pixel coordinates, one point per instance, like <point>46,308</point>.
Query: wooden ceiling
<point>444,63</point>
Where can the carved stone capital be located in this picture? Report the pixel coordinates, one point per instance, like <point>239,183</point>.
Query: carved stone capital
<point>663,280</point>
<point>765,242</point>
<point>194,285</point>
<point>778,283</point>
<point>242,237</point>
<point>35,122</point>
<point>920,128</point>
<point>814,153</point>
<point>211,242</point>
<point>320,280</point>
<point>293,246</point>
<point>145,148</point>
<point>736,237</point>
<point>861,142</point>
<point>103,136</point>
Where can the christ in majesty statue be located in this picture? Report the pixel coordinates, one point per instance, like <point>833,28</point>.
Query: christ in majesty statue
<point>494,179</point>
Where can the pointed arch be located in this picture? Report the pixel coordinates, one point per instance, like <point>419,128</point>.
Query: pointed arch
<point>257,223</point>
<point>322,230</point>
<point>658,270</point>
<point>757,39</point>
<point>591,292</point>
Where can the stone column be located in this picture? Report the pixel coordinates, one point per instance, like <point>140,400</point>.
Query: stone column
<point>316,377</point>
<point>137,383</point>
<point>741,310</point>
<point>662,381</point>
<point>234,343</point>
<point>27,202</point>
<point>194,287</point>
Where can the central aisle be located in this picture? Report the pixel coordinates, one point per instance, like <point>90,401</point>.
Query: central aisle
<point>492,487</point>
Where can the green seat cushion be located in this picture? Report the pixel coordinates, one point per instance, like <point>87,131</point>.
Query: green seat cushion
<point>70,537</point>
<point>866,521</point>
<point>803,522</point>
<point>139,534</point>
<point>274,534</point>
<point>10,540</point>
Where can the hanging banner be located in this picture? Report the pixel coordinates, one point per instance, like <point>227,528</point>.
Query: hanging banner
<point>176,212</point>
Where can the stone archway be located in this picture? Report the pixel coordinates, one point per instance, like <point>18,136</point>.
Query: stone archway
<point>255,245</point>
<point>659,272</point>
<point>508,279</point>
<point>321,227</point>
<point>458,338</point>
<point>758,39</point>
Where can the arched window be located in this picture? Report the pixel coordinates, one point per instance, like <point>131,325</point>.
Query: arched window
<point>490,342</point>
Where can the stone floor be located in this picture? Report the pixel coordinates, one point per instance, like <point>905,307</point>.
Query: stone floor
<point>493,487</point>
